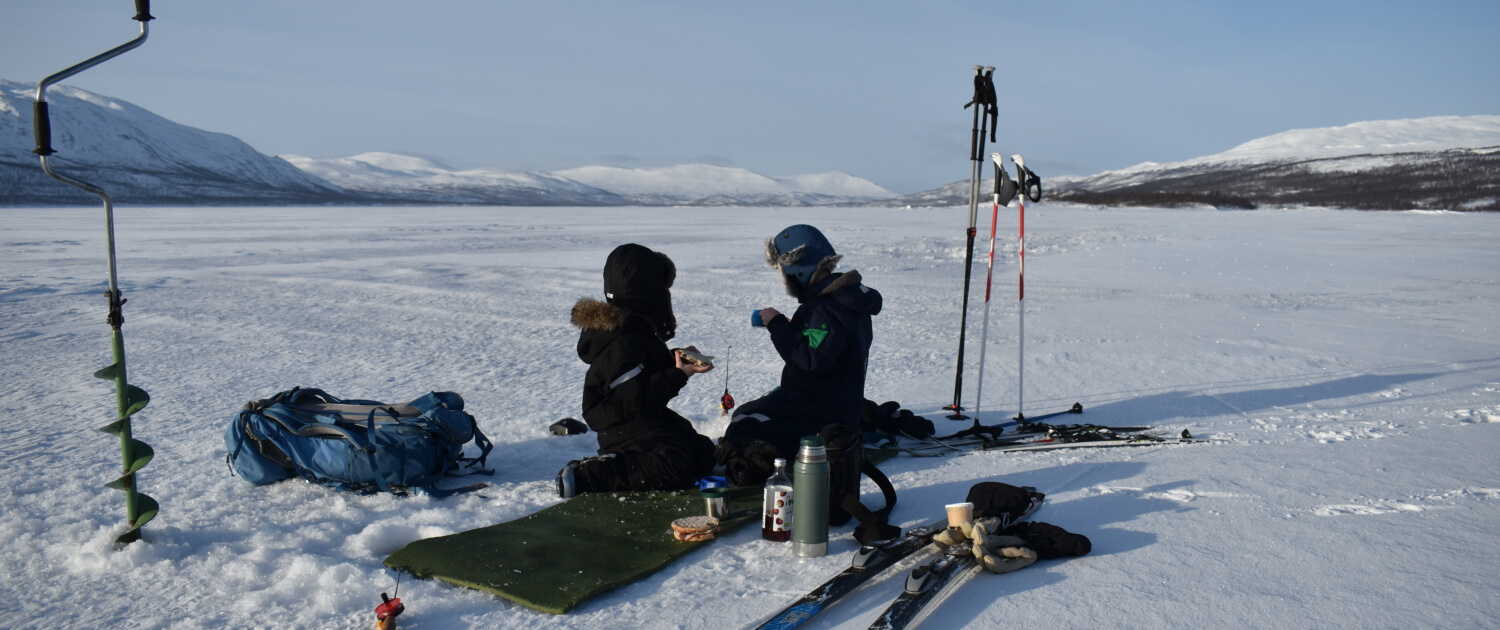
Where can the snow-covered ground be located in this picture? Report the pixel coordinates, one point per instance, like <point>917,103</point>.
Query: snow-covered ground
<point>1347,363</point>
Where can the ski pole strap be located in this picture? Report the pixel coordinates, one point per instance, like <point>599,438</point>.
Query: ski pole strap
<point>1031,185</point>
<point>992,105</point>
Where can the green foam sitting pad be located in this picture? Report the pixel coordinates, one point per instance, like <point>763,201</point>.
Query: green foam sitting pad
<point>559,557</point>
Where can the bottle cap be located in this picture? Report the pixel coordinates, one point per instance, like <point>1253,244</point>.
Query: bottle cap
<point>812,440</point>
<point>779,462</point>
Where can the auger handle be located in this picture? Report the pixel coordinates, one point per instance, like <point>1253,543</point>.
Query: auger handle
<point>42,126</point>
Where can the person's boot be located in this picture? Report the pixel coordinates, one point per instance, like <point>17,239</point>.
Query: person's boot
<point>567,480</point>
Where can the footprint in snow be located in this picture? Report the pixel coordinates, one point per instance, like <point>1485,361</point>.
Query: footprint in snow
<point>1477,416</point>
<point>1365,510</point>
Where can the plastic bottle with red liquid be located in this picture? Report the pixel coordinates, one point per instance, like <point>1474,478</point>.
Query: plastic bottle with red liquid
<point>776,522</point>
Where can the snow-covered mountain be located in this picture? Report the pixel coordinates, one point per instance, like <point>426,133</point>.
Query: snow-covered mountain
<point>392,178</point>
<point>138,157</point>
<point>1443,162</point>
<point>704,184</point>
<point>142,158</point>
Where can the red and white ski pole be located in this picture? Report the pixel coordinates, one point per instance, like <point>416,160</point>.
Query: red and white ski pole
<point>988,277</point>
<point>1021,291</point>
<point>1031,189</point>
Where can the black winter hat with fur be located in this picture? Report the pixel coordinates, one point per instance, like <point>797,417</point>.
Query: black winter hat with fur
<point>639,280</point>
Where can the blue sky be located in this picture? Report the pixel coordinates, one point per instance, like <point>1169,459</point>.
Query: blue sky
<point>872,88</point>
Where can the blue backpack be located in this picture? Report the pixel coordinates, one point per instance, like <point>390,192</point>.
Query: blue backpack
<point>360,445</point>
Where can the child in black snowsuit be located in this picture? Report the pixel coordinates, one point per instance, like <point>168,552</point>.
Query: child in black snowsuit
<point>825,344</point>
<point>632,375</point>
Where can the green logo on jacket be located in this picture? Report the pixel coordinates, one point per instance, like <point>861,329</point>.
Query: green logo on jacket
<point>815,336</point>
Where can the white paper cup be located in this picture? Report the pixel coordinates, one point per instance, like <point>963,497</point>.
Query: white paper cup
<point>958,513</point>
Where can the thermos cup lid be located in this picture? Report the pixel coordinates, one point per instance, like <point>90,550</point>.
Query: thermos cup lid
<point>812,450</point>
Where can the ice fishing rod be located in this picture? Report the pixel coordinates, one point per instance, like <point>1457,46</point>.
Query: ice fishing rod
<point>726,402</point>
<point>129,399</point>
<point>986,118</point>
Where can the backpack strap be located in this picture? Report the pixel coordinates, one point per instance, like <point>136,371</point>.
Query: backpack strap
<point>484,446</point>
<point>371,448</point>
<point>873,526</point>
<point>324,429</point>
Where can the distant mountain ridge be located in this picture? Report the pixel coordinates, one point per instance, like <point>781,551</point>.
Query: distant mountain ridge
<point>407,178</point>
<point>392,178</point>
<point>1441,162</point>
<point>1444,162</point>
<point>138,157</point>
<point>141,158</point>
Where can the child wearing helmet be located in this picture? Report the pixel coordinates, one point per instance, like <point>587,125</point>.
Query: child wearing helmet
<point>825,345</point>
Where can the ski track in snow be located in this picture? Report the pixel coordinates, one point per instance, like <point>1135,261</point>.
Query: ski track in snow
<point>1345,365</point>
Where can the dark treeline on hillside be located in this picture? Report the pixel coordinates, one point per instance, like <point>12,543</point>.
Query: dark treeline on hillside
<point>1450,180</point>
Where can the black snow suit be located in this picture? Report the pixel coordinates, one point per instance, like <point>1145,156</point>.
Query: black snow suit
<point>631,377</point>
<point>826,347</point>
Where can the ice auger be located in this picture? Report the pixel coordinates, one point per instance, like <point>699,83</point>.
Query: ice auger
<point>129,399</point>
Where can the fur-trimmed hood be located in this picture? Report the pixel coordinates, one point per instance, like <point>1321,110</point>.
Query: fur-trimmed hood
<point>592,314</point>
<point>848,289</point>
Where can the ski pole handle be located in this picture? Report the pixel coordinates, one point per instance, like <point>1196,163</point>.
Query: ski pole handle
<point>1005,187</point>
<point>1031,185</point>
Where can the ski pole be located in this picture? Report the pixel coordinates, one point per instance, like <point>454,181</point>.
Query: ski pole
<point>988,277</point>
<point>1021,293</point>
<point>129,399</point>
<point>1031,188</point>
<point>985,110</point>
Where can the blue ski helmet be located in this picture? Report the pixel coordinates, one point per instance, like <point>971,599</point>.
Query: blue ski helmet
<point>798,251</point>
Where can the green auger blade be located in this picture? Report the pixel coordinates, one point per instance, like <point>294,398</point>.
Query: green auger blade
<point>141,454</point>
<point>147,508</point>
<point>136,399</point>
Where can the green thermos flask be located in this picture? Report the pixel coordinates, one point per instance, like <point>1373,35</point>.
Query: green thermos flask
<point>810,487</point>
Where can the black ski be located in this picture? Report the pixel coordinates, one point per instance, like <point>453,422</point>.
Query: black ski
<point>868,562</point>
<point>927,582</point>
<point>1035,433</point>
<point>1104,440</point>
<point>1023,420</point>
